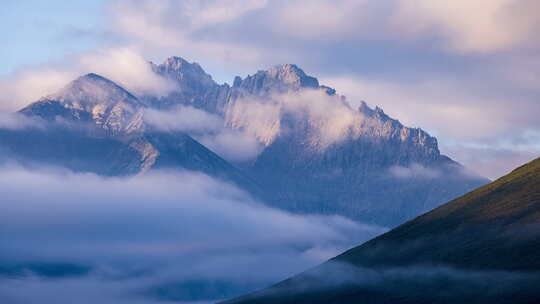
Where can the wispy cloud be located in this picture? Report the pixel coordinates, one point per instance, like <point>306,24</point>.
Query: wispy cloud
<point>147,234</point>
<point>330,118</point>
<point>235,145</point>
<point>123,65</point>
<point>414,171</point>
<point>15,121</point>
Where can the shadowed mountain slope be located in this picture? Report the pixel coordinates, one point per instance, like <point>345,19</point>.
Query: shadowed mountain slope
<point>483,247</point>
<point>320,155</point>
<point>94,125</point>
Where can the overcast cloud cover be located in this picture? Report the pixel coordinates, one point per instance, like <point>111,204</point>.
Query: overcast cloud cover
<point>466,71</point>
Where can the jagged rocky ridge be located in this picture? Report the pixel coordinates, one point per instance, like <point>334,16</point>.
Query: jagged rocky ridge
<point>94,125</point>
<point>318,155</point>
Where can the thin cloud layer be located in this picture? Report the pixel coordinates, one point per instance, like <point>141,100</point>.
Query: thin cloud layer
<point>152,236</point>
<point>414,171</point>
<point>482,26</point>
<point>234,145</point>
<point>15,121</point>
<point>335,281</point>
<point>330,117</point>
<point>122,65</point>
<point>183,118</point>
<point>475,126</point>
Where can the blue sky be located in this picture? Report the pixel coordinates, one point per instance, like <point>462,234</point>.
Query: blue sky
<point>38,32</point>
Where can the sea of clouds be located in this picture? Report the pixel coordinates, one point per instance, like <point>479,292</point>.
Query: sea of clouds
<point>171,235</point>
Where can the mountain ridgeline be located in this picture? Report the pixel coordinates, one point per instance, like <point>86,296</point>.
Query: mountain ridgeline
<point>317,154</point>
<point>94,125</point>
<point>483,247</point>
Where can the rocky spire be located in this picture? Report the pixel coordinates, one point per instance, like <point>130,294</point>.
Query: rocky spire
<point>280,78</point>
<point>189,76</point>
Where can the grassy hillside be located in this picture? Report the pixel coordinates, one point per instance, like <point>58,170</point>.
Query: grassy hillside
<point>483,247</point>
<point>494,227</point>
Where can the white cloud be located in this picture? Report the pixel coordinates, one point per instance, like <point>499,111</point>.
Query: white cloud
<point>462,116</point>
<point>122,65</point>
<point>233,145</point>
<point>439,104</point>
<point>126,67</point>
<point>154,26</point>
<point>330,118</point>
<point>29,85</point>
<point>416,171</point>
<point>15,121</point>
<point>259,117</point>
<point>209,129</point>
<point>183,118</point>
<point>493,161</point>
<point>457,26</point>
<point>470,26</point>
<point>155,230</point>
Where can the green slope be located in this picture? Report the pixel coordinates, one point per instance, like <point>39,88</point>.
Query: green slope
<point>483,247</point>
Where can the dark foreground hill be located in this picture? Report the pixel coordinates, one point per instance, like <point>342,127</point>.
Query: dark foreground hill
<point>483,247</point>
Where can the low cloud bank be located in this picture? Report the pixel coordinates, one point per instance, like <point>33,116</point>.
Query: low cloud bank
<point>156,236</point>
<point>414,171</point>
<point>337,281</point>
<point>235,145</point>
<point>15,121</point>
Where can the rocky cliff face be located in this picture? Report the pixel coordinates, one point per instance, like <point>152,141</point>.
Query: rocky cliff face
<point>94,125</point>
<point>193,86</point>
<point>318,154</point>
<point>322,156</point>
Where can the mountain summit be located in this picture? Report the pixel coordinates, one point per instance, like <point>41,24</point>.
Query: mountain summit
<point>91,99</point>
<point>92,89</point>
<point>97,126</point>
<point>187,74</point>
<point>278,78</point>
<point>319,155</point>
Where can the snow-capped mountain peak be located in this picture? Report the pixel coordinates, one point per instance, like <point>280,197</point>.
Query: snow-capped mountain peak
<point>91,90</point>
<point>187,75</point>
<point>317,153</point>
<point>92,99</point>
<point>281,78</point>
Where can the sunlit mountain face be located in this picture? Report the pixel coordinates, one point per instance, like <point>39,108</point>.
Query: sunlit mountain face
<point>311,152</point>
